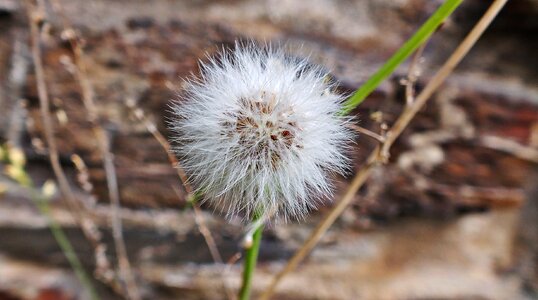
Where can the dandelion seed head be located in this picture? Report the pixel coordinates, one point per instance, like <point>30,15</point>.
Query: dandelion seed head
<point>259,132</point>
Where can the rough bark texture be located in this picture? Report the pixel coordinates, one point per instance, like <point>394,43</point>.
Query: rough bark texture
<point>452,216</point>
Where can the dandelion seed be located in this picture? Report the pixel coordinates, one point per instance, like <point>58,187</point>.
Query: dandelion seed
<point>260,132</point>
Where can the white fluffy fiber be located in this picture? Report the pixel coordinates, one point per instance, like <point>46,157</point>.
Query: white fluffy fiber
<point>259,133</point>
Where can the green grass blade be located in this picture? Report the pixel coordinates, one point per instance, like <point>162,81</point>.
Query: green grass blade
<point>401,55</point>
<point>64,244</point>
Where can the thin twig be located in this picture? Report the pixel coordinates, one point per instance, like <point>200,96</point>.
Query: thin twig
<point>412,75</point>
<point>202,227</point>
<point>151,128</point>
<point>89,228</point>
<point>36,18</point>
<point>376,156</point>
<point>117,228</point>
<point>367,132</point>
<point>102,137</point>
<point>103,270</point>
<point>88,96</point>
<point>198,216</point>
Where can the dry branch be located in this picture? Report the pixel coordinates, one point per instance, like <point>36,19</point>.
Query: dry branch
<point>380,153</point>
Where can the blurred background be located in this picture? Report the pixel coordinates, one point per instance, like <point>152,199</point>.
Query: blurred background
<point>453,215</point>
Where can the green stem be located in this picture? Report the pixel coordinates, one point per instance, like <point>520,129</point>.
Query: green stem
<point>401,55</point>
<point>250,263</point>
<point>65,245</point>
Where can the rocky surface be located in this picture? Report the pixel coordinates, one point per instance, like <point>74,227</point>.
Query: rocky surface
<point>452,216</point>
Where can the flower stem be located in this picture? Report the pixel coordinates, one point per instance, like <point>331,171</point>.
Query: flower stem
<point>412,44</point>
<point>250,263</point>
<point>65,246</point>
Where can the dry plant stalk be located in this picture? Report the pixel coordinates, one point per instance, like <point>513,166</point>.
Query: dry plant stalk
<point>198,216</point>
<point>380,153</point>
<point>378,137</point>
<point>90,230</point>
<point>412,74</point>
<point>126,274</point>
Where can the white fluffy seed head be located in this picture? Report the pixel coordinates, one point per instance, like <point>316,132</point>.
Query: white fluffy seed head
<point>260,132</point>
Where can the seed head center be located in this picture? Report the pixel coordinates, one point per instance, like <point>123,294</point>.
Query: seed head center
<point>263,128</point>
